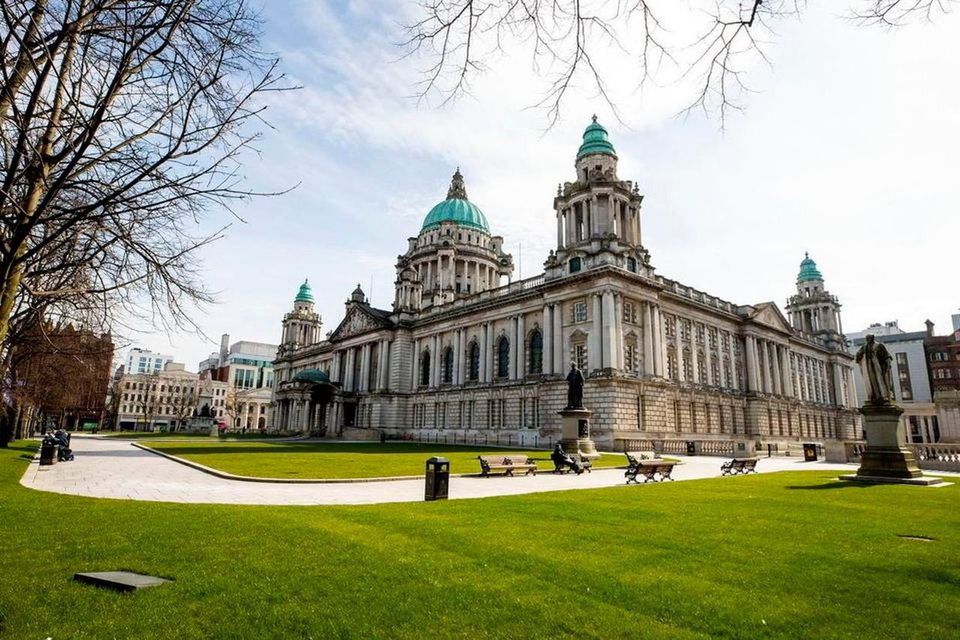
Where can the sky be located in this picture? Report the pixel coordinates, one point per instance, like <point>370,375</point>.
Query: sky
<point>847,149</point>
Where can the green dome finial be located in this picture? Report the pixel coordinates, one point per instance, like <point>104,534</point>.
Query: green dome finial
<point>595,140</point>
<point>456,208</point>
<point>305,294</point>
<point>808,270</point>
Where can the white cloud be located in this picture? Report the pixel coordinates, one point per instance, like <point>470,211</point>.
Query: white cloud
<point>848,150</point>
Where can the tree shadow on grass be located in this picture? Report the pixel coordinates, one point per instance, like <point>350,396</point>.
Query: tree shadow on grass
<point>836,484</point>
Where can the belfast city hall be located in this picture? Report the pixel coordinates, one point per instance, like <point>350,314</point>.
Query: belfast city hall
<point>466,352</point>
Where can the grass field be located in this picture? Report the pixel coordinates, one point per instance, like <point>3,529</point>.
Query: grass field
<point>150,435</point>
<point>792,555</point>
<point>347,460</point>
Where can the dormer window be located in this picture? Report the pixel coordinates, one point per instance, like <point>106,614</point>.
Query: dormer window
<point>575,265</point>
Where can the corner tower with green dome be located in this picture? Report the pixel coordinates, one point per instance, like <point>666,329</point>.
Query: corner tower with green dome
<point>598,215</point>
<point>814,311</point>
<point>301,326</point>
<point>454,255</point>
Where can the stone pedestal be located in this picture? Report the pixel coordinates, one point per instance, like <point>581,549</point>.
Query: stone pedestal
<point>886,459</point>
<point>575,432</point>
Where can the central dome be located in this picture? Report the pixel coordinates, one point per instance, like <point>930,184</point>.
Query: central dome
<point>457,209</point>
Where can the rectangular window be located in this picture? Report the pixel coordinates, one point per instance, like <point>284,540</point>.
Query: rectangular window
<point>903,373</point>
<point>629,312</point>
<point>580,356</point>
<point>579,311</point>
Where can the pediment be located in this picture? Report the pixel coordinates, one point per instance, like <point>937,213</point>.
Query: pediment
<point>767,314</point>
<point>357,321</point>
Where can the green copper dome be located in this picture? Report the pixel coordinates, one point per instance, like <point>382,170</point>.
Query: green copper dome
<point>457,209</point>
<point>305,294</point>
<point>595,140</point>
<point>311,375</point>
<point>808,270</point>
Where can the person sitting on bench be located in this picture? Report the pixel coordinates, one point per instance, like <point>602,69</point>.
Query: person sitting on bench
<point>562,459</point>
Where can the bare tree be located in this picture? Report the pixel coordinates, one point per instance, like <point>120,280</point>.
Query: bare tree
<point>122,122</point>
<point>708,53</point>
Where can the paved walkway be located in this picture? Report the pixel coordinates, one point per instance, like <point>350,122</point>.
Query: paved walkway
<point>107,468</point>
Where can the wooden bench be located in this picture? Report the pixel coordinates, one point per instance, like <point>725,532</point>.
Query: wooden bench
<point>739,466</point>
<point>649,469</point>
<point>584,463</point>
<point>506,464</point>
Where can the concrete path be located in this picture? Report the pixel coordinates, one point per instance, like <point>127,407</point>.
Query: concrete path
<point>107,468</point>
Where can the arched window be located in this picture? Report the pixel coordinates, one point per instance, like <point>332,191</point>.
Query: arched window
<point>575,265</point>
<point>503,357</point>
<point>425,369</point>
<point>536,352</point>
<point>448,365</point>
<point>473,361</point>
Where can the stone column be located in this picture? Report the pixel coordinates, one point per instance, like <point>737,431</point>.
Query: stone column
<point>649,360</point>
<point>558,342</point>
<point>694,353</point>
<point>617,360</point>
<point>547,325</point>
<point>512,335</point>
<point>483,352</point>
<point>348,374</point>
<point>457,355</point>
<point>521,348</point>
<point>777,380</point>
<point>364,367</point>
<point>751,363</point>
<point>678,347</point>
<point>594,350</point>
<point>606,336</point>
<point>416,364</point>
<point>659,344</point>
<point>785,376</point>
<point>434,360</point>
<point>559,228</point>
<point>335,370</point>
<point>838,383</point>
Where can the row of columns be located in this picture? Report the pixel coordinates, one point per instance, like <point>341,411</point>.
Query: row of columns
<point>487,344</point>
<point>769,371</point>
<point>435,274</point>
<point>623,220</point>
<point>373,369</point>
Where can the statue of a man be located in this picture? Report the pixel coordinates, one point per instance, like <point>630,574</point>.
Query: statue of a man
<point>874,361</point>
<point>574,388</point>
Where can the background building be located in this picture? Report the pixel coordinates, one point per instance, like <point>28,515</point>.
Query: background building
<point>60,377</point>
<point>247,368</point>
<point>943,358</point>
<point>145,361</point>
<point>911,382</point>
<point>166,399</point>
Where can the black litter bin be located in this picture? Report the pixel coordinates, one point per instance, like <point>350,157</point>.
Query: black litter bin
<point>48,453</point>
<point>809,452</point>
<point>437,479</point>
<point>691,448</point>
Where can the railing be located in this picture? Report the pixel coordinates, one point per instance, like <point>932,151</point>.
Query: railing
<point>715,447</point>
<point>624,444</point>
<point>941,457</point>
<point>532,440</point>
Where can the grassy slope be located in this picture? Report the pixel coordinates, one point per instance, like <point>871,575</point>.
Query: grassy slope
<point>335,460</point>
<point>783,555</point>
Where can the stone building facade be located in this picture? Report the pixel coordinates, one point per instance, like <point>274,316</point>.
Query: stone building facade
<point>466,350</point>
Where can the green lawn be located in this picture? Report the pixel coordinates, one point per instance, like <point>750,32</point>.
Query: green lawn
<point>793,555</point>
<point>149,435</point>
<point>346,460</point>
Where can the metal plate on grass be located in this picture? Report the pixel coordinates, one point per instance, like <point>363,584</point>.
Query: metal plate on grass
<point>119,580</point>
